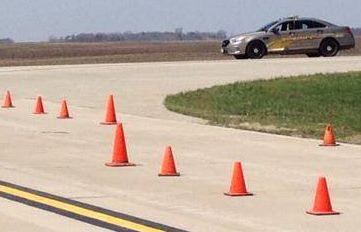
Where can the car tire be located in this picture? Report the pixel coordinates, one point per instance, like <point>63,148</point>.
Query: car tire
<point>256,50</point>
<point>240,57</point>
<point>315,54</point>
<point>329,47</point>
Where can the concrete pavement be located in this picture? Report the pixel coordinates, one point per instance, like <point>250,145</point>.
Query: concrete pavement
<point>67,157</point>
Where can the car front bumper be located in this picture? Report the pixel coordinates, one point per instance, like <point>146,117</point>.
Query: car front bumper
<point>233,49</point>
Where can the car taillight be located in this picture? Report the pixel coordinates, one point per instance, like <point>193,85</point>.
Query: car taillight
<point>349,30</point>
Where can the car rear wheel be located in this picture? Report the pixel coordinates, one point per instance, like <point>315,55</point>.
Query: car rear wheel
<point>256,50</point>
<point>329,47</point>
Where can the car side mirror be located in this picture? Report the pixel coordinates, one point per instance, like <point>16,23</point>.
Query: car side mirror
<point>275,30</point>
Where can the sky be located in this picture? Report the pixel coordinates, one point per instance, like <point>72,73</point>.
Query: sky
<point>36,20</point>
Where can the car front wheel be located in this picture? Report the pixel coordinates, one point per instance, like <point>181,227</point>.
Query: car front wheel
<point>329,47</point>
<point>256,50</point>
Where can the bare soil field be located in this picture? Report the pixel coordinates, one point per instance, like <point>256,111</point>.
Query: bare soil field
<point>22,54</point>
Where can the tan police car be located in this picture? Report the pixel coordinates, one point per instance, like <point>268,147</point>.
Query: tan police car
<point>292,35</point>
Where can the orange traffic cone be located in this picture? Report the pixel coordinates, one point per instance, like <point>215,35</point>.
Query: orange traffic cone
<point>39,108</point>
<point>329,137</point>
<point>120,156</point>
<point>238,185</point>
<point>110,117</point>
<point>64,113</point>
<point>322,204</point>
<point>168,165</point>
<point>7,100</point>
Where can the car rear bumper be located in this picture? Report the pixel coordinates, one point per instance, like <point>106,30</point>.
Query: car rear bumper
<point>347,42</point>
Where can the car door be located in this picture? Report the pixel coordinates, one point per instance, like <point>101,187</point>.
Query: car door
<point>317,32</point>
<point>307,35</point>
<point>297,36</point>
<point>280,37</point>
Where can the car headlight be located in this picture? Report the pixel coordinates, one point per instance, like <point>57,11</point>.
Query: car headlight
<point>236,40</point>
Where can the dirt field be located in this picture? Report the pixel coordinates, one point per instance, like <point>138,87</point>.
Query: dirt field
<point>80,53</point>
<point>87,53</point>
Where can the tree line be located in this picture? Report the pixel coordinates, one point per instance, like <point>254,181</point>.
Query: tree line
<point>177,35</point>
<point>6,41</point>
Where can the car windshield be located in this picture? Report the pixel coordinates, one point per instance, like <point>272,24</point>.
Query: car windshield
<point>268,26</point>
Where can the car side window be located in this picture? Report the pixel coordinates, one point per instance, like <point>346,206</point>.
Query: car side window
<point>308,24</point>
<point>286,26</point>
<point>317,25</point>
<point>299,25</point>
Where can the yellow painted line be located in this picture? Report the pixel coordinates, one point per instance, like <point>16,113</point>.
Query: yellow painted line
<point>78,210</point>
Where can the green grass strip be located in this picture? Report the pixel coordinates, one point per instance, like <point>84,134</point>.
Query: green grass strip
<point>299,106</point>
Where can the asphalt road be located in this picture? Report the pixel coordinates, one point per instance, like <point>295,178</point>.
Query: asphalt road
<point>66,157</point>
